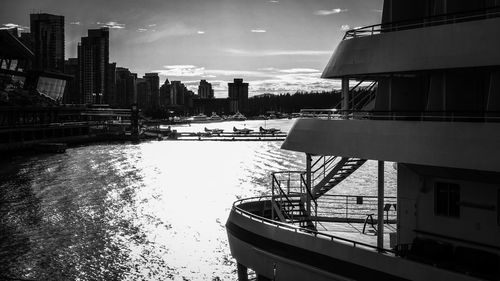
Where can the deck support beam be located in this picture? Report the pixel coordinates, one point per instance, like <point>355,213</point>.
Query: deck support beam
<point>345,96</point>
<point>242,272</point>
<point>380,209</point>
<point>309,183</point>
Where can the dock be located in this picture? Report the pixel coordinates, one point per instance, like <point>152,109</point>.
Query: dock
<point>203,136</point>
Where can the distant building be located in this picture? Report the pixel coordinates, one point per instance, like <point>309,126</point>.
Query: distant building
<point>205,90</point>
<point>93,58</point>
<point>165,94</point>
<point>154,84</point>
<point>143,93</point>
<point>177,93</point>
<point>47,33</point>
<point>238,93</point>
<point>111,98</point>
<point>72,92</point>
<point>125,88</point>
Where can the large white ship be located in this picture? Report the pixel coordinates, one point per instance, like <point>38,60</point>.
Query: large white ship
<point>429,100</point>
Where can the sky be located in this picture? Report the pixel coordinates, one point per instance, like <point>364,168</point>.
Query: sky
<point>276,46</point>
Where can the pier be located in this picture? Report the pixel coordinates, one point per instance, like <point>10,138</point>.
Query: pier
<point>230,136</point>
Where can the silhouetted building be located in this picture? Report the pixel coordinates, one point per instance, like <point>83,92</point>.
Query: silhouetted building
<point>125,87</point>
<point>238,93</point>
<point>143,93</point>
<point>154,84</point>
<point>27,39</point>
<point>165,94</point>
<point>93,57</point>
<point>205,90</point>
<point>177,93</point>
<point>111,98</point>
<point>48,41</point>
<point>72,92</point>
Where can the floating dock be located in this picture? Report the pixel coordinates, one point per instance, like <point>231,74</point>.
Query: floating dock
<point>202,136</point>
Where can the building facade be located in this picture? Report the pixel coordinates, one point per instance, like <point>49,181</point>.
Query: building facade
<point>205,90</point>
<point>93,58</point>
<point>47,35</point>
<point>125,87</point>
<point>154,84</point>
<point>238,92</point>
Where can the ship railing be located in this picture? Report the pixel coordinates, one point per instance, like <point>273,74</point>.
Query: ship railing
<point>355,209</point>
<point>301,230</point>
<point>288,186</point>
<point>441,19</point>
<point>417,115</point>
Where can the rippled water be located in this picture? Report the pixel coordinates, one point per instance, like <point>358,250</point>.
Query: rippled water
<point>150,211</point>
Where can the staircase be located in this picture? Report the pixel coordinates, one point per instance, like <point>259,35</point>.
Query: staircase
<point>295,212</point>
<point>361,99</point>
<point>331,172</point>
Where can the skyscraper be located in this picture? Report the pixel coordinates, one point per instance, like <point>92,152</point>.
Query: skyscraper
<point>125,87</point>
<point>238,91</point>
<point>47,33</point>
<point>154,84</point>
<point>93,59</point>
<point>165,94</point>
<point>205,90</point>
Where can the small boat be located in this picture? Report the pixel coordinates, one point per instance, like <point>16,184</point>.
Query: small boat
<point>200,118</point>
<point>215,118</point>
<point>214,131</point>
<point>242,131</point>
<point>237,117</point>
<point>269,131</point>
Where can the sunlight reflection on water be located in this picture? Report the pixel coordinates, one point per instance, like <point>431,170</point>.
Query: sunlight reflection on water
<point>152,211</point>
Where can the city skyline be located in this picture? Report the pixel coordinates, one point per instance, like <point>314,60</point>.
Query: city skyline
<point>276,46</point>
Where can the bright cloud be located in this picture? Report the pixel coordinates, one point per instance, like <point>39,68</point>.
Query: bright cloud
<point>112,24</point>
<point>274,1</point>
<point>75,23</point>
<point>329,12</point>
<point>258,30</point>
<point>263,80</point>
<point>200,32</point>
<point>142,29</point>
<point>264,53</point>
<point>13,25</point>
<point>345,27</point>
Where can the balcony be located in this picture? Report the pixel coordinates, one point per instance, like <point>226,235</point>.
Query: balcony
<point>401,138</point>
<point>434,44</point>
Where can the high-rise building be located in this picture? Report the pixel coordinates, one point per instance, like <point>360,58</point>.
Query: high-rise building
<point>93,58</point>
<point>238,92</point>
<point>143,93</point>
<point>177,93</point>
<point>47,33</point>
<point>165,94</point>
<point>111,98</point>
<point>72,92</point>
<point>205,90</point>
<point>125,87</point>
<point>154,84</point>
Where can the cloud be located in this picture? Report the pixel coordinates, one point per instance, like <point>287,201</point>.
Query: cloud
<point>152,25</point>
<point>75,23</point>
<point>112,25</point>
<point>345,27</point>
<point>181,71</point>
<point>142,29</point>
<point>274,1</point>
<point>13,25</point>
<point>165,31</point>
<point>330,12</point>
<point>200,32</point>
<point>264,53</point>
<point>377,10</point>
<point>258,30</point>
<point>299,70</point>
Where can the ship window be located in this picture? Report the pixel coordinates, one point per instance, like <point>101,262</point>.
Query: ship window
<point>447,199</point>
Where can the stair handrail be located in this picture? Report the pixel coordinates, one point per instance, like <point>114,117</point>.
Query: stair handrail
<point>282,194</point>
<point>309,193</point>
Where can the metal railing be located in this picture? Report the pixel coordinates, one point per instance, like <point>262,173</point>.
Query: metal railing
<point>409,115</point>
<point>300,230</point>
<point>287,185</point>
<point>423,22</point>
<point>351,208</point>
